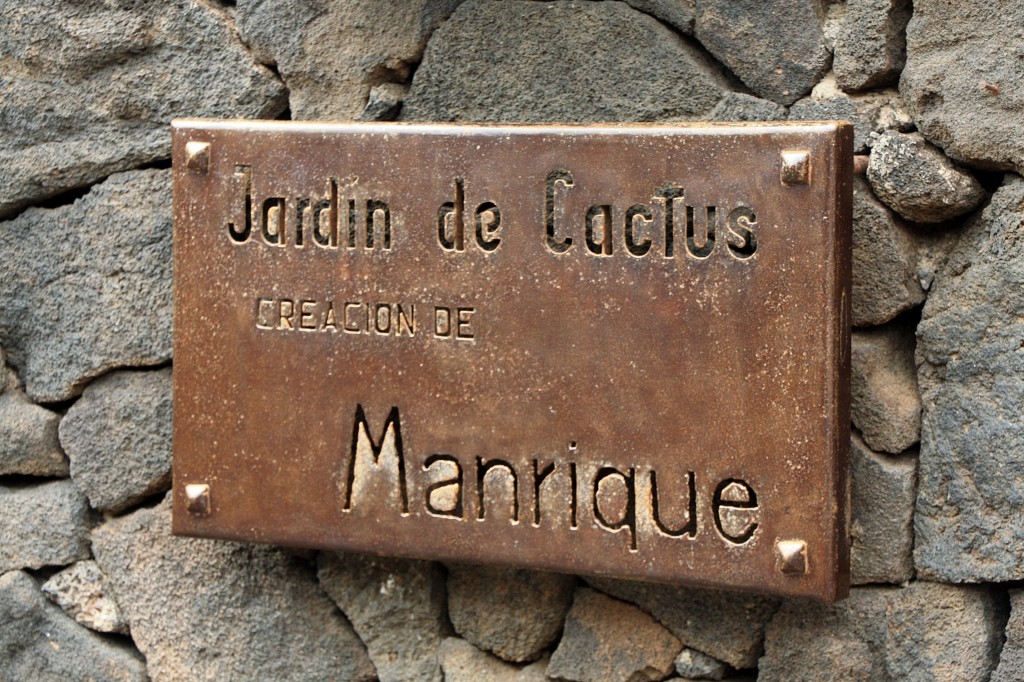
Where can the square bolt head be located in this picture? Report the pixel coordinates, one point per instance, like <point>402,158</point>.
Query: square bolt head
<point>796,168</point>
<point>197,157</point>
<point>198,499</point>
<point>791,557</point>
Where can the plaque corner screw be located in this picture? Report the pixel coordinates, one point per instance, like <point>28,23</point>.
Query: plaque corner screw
<point>197,157</point>
<point>791,557</point>
<point>796,167</point>
<point>197,496</point>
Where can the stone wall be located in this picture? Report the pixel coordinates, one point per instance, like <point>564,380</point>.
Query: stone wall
<point>93,587</point>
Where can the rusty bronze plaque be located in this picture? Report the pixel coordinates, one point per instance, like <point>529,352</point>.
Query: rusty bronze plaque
<point>606,350</point>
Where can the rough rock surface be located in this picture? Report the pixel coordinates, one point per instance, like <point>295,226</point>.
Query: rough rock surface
<point>882,516</point>
<point>725,625</point>
<point>776,48</point>
<point>693,665</point>
<point>735,106</point>
<point>214,610</point>
<point>463,662</point>
<point>871,113</point>
<point>847,639</point>
<point>606,640</point>
<point>331,54</point>
<point>870,47</point>
<point>917,181</point>
<point>679,14</point>
<point>40,643</point>
<point>80,589</point>
<point>969,521</point>
<point>396,606</point>
<point>515,614</point>
<point>90,87</point>
<point>87,287</point>
<point>885,400</point>
<point>925,632</point>
<point>940,633</point>
<point>28,435</point>
<point>384,102</point>
<point>885,281</point>
<point>118,437</point>
<point>43,525</point>
<point>496,61</point>
<point>1011,658</point>
<point>963,79</point>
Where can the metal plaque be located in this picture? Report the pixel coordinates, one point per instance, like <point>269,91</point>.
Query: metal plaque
<point>606,350</point>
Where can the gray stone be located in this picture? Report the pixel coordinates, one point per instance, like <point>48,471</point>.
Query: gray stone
<point>839,107</point>
<point>870,47</point>
<point>870,113</point>
<point>1011,658</point>
<point>882,516</point>
<point>332,53</point>
<point>606,640</point>
<point>924,632</point>
<point>87,287</point>
<point>807,641</point>
<point>917,181</point>
<point>41,644</point>
<point>735,106</point>
<point>118,437</point>
<point>213,610</point>
<point>28,435</point>
<point>515,614</point>
<point>463,662</point>
<point>43,525</point>
<point>90,87</point>
<point>80,589</point>
<point>396,606</point>
<point>942,633</point>
<point>963,79</point>
<point>885,401</point>
<point>776,48</point>
<point>969,521</point>
<point>497,61</point>
<point>679,14</point>
<point>692,664</point>
<point>885,281</point>
<point>385,102</point>
<point>725,625</point>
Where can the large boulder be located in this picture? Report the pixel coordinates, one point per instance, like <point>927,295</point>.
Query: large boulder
<point>89,87</point>
<point>333,53</point>
<point>40,643</point>
<point>728,626</point>
<point>969,520</point>
<point>607,640</point>
<point>885,400</point>
<point>870,47</point>
<point>922,633</point>
<point>882,491</point>
<point>87,287</point>
<point>43,525</point>
<point>917,181</point>
<point>514,614</point>
<point>502,61</point>
<point>208,610</point>
<point>963,79</point>
<point>777,48</point>
<point>28,435</point>
<point>118,437</point>
<point>396,606</point>
<point>885,277</point>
